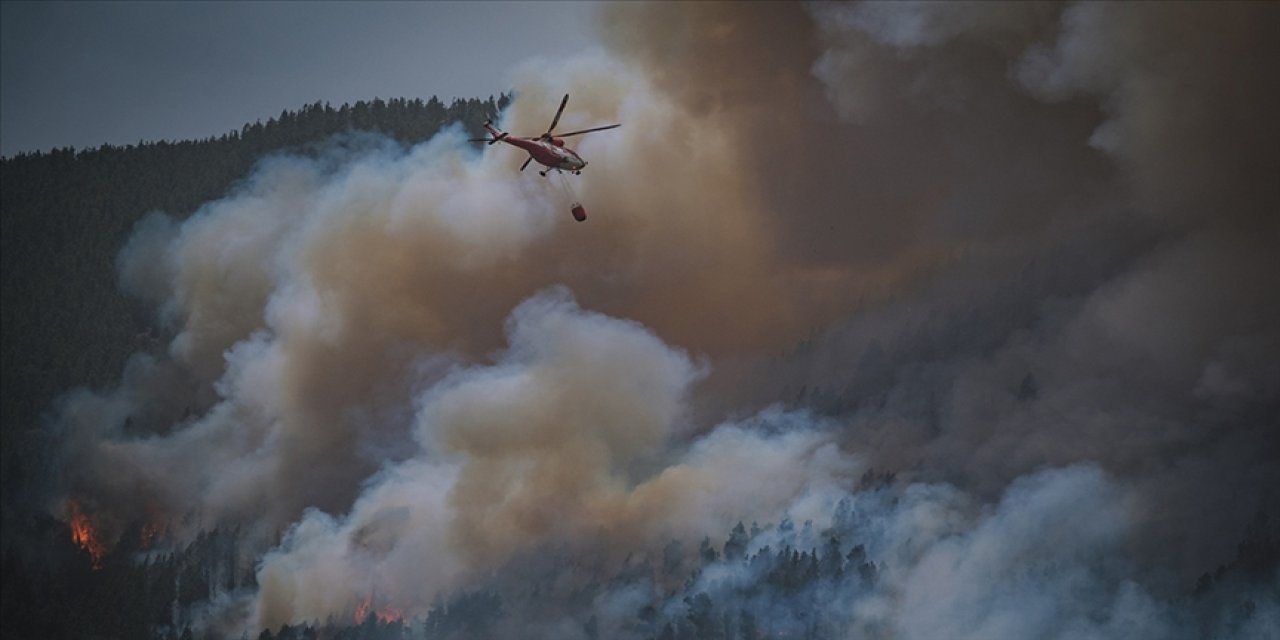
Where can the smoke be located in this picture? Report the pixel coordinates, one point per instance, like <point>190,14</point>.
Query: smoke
<point>552,444</point>
<point>1014,551</point>
<point>1018,255</point>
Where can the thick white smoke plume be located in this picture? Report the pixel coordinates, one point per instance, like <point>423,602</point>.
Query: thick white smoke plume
<point>553,444</point>
<point>968,306</point>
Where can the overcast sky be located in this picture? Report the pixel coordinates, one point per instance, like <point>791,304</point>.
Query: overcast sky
<point>86,73</point>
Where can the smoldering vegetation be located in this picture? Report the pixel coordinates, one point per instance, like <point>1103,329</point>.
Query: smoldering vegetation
<point>890,321</point>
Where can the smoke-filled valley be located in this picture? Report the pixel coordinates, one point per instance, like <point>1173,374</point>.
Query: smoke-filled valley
<point>890,320</point>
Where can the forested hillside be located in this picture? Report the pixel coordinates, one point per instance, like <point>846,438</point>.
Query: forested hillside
<point>66,213</point>
<point>783,580</point>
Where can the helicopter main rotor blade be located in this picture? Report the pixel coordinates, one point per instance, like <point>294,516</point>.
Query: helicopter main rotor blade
<point>526,162</point>
<point>556,120</point>
<point>578,133</point>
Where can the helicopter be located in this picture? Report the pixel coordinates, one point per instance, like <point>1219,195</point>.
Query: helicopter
<point>547,149</point>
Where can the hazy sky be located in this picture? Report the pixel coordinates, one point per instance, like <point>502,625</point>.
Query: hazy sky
<point>86,73</point>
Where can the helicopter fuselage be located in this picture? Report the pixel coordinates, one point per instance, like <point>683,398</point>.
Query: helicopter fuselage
<point>548,149</point>
<point>549,153</point>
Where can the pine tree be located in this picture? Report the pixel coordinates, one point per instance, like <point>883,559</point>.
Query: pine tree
<point>735,548</point>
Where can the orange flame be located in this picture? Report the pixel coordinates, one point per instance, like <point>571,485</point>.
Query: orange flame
<point>389,614</point>
<point>386,615</point>
<point>82,533</point>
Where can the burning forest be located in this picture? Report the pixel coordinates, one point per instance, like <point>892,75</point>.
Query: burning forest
<point>891,320</point>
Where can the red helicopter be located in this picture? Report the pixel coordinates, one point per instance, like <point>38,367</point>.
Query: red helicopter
<point>547,149</point>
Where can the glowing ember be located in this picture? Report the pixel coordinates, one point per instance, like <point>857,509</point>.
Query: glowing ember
<point>151,531</point>
<point>83,534</point>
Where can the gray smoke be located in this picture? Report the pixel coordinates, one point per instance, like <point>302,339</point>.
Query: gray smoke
<point>1019,255</point>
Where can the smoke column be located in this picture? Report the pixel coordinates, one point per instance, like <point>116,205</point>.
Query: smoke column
<point>1019,255</point>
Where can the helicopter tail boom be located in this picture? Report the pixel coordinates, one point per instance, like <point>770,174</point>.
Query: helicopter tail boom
<point>497,135</point>
<point>493,131</point>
